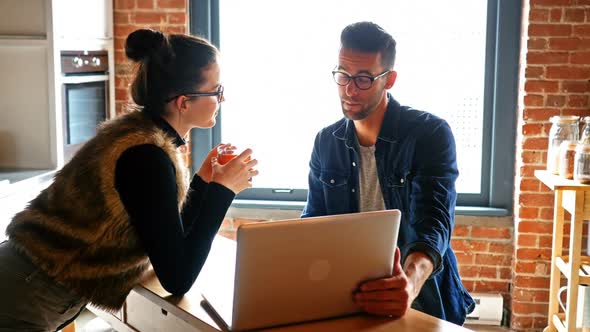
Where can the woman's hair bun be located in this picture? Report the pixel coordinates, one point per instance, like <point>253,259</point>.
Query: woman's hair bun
<point>143,42</point>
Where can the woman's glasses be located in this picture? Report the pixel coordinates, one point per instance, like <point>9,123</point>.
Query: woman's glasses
<point>218,94</point>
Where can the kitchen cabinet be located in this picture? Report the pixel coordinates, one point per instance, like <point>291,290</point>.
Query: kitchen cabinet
<point>32,35</point>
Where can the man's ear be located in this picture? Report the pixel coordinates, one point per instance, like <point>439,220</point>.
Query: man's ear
<point>391,77</point>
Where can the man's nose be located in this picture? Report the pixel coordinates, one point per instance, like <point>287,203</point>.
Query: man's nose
<point>351,89</point>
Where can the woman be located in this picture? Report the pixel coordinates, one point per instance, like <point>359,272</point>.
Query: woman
<point>124,200</point>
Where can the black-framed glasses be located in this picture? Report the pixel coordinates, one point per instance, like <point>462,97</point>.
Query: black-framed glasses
<point>218,94</point>
<point>363,82</point>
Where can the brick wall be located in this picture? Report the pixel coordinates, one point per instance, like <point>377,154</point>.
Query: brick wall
<point>169,16</point>
<point>554,81</point>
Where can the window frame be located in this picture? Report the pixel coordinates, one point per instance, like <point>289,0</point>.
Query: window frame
<point>500,111</point>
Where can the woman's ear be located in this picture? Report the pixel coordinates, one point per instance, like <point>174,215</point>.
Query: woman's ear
<point>180,103</point>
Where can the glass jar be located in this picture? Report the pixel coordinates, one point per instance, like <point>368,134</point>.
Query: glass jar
<point>563,128</point>
<point>567,151</point>
<point>585,137</point>
<point>582,163</point>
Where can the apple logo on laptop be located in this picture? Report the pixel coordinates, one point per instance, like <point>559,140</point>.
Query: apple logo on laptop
<point>319,270</point>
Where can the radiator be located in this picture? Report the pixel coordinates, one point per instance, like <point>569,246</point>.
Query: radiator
<point>488,309</point>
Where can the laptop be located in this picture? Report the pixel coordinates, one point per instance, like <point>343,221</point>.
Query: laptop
<point>299,270</point>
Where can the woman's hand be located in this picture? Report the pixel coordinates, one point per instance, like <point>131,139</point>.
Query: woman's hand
<point>206,169</point>
<point>237,174</point>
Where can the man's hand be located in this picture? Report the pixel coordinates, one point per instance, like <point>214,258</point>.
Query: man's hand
<point>393,296</point>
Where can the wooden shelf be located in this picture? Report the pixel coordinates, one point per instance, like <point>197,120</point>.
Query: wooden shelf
<point>556,182</point>
<point>564,266</point>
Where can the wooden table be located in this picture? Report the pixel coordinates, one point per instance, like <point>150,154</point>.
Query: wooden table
<point>151,308</point>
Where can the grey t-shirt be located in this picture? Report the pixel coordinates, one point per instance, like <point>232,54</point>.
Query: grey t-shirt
<point>371,198</point>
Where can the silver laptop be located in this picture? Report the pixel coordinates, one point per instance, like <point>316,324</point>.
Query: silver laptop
<point>300,269</point>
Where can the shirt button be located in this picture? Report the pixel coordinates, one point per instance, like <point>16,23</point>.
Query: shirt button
<point>353,190</point>
<point>332,181</point>
<point>353,164</point>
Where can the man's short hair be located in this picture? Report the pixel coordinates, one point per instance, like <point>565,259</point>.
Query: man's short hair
<point>371,38</point>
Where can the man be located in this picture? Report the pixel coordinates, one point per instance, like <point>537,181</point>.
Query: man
<point>385,156</point>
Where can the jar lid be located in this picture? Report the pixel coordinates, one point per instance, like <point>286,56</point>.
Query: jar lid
<point>570,145</point>
<point>564,118</point>
<point>583,148</point>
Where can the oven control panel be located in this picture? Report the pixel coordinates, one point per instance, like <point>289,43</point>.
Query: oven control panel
<point>80,62</point>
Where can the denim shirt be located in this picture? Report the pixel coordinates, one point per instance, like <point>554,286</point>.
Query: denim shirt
<point>417,168</point>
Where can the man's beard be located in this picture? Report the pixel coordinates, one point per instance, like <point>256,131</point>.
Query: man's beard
<point>365,111</point>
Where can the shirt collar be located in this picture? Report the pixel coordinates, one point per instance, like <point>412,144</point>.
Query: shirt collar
<point>346,130</point>
<point>168,129</point>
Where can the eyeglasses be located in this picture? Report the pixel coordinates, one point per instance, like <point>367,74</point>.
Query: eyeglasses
<point>363,82</point>
<point>218,94</point>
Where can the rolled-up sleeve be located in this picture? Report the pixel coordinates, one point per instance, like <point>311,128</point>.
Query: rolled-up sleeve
<point>433,198</point>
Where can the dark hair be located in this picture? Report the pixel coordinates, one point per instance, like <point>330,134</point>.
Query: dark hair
<point>369,37</point>
<point>167,66</point>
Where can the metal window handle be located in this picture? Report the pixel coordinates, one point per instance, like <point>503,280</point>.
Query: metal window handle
<point>282,191</point>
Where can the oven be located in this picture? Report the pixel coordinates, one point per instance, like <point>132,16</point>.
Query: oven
<point>85,96</point>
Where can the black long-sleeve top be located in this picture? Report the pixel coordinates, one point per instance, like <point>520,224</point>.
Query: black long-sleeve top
<point>177,244</point>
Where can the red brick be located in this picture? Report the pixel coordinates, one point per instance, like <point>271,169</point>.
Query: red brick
<point>506,273</point>
<point>574,15</point>
<point>538,15</point>
<point>545,241</point>
<point>528,213</point>
<point>531,282</point>
<point>529,170</point>
<point>565,44</point>
<point>501,248</point>
<point>534,143</point>
<point>465,258</point>
<point>582,30</point>
<point>491,233</point>
<point>555,101</point>
<point>490,286</point>
<point>541,86</point>
<point>541,114</point>
<point>121,18</point>
<point>145,4</point>
<point>575,86</point>
<point>150,18</point>
<point>563,72</point>
<point>549,30</point>
<point>555,15</point>
<point>488,272</point>
<point>535,227</point>
<point>174,4</point>
<point>531,157</point>
<point>537,44</point>
<point>530,185</point>
<point>577,101</point>
<point>533,254</point>
<point>123,30</point>
<point>530,308</point>
<point>493,260</point>
<point>469,271</point>
<point>525,267</point>
<point>580,58</point>
<point>124,4</point>
<point>461,231</point>
<point>537,200</point>
<point>534,72</point>
<point>121,94</point>
<point>521,323</point>
<point>177,18</point>
<point>533,100</point>
<point>470,245</point>
<point>550,3</point>
<point>175,29</point>
<point>532,129</point>
<point>540,58</point>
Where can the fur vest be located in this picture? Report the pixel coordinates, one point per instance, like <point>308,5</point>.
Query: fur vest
<point>78,231</point>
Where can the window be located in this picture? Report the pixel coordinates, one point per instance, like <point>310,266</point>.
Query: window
<point>455,59</point>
